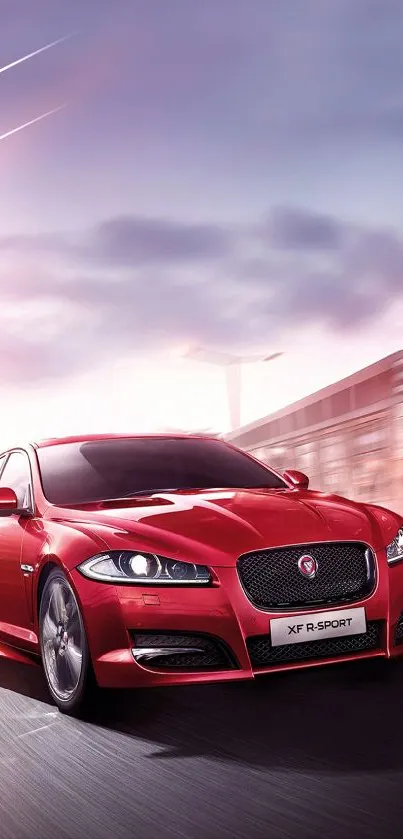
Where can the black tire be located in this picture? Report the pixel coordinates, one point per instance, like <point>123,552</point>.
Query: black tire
<point>69,676</point>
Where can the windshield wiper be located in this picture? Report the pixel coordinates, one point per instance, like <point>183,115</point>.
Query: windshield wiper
<point>133,494</point>
<point>191,489</point>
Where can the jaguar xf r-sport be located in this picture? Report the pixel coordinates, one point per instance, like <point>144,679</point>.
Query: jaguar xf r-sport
<point>134,561</point>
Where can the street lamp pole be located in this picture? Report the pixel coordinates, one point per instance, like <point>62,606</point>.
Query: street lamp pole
<point>233,374</point>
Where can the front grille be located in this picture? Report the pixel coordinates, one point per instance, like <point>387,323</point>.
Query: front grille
<point>200,652</point>
<point>272,580</point>
<point>262,654</point>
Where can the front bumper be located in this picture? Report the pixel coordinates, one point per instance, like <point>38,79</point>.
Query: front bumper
<point>123,620</point>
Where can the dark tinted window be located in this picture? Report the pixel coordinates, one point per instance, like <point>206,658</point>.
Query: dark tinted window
<point>74,473</point>
<point>16,475</point>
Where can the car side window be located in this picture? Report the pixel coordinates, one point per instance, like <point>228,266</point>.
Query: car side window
<point>17,476</point>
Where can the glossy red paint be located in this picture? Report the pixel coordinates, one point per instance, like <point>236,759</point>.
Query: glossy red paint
<point>8,501</point>
<point>204,527</point>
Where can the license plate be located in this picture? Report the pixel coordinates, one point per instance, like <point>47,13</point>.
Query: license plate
<point>316,625</point>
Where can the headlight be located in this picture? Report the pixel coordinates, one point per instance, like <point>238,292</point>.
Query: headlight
<point>131,567</point>
<point>394,551</point>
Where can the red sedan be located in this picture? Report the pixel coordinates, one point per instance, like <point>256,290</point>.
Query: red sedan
<point>157,560</point>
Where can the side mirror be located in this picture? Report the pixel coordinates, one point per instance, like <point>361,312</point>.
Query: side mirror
<point>8,501</point>
<point>297,479</point>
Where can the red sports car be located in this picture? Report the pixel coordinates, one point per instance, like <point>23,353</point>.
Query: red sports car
<point>157,560</point>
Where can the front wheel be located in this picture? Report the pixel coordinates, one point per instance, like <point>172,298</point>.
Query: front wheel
<point>64,647</point>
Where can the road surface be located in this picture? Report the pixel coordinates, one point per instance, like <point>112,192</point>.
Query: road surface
<point>317,753</point>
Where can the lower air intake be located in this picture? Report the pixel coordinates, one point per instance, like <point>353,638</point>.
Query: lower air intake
<point>181,651</point>
<point>262,654</point>
<point>399,631</point>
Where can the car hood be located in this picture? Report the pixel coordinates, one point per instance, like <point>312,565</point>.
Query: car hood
<point>223,524</point>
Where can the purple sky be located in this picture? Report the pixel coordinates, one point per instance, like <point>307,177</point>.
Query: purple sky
<point>225,172</point>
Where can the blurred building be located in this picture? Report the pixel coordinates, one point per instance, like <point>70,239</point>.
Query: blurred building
<point>347,437</point>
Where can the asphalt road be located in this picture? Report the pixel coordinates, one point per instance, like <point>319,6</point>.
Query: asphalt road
<point>318,753</point>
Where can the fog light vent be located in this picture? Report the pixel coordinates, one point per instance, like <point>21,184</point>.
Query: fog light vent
<point>399,631</point>
<point>181,651</point>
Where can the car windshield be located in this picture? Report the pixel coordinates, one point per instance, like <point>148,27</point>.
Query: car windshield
<point>97,470</point>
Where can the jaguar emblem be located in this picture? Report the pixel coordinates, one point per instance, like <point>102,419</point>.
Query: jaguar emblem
<point>308,566</point>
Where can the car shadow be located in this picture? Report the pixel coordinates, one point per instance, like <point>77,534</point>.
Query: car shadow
<point>24,679</point>
<point>343,718</point>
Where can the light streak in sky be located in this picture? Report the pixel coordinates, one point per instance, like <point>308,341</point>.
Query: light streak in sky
<point>32,54</point>
<point>31,122</point>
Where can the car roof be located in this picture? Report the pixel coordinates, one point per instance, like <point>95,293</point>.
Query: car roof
<point>84,438</point>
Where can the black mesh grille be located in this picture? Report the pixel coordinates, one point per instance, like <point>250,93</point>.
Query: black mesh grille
<point>272,580</point>
<point>262,654</point>
<point>399,631</point>
<point>212,653</point>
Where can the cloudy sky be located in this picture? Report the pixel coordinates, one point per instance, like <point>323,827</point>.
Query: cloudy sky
<point>225,173</point>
